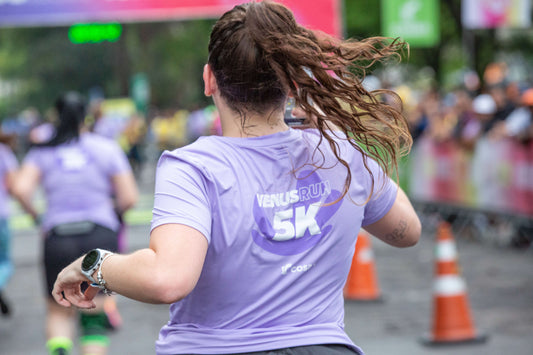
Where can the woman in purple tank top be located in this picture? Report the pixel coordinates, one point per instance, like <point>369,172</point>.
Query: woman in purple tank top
<point>86,180</point>
<point>253,232</point>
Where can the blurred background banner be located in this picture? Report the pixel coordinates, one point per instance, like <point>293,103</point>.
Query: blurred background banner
<point>497,177</point>
<point>323,15</point>
<point>416,21</point>
<point>479,14</point>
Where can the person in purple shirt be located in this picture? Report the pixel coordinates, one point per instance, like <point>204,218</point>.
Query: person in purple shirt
<point>8,175</point>
<point>253,232</point>
<point>85,179</point>
<point>8,168</point>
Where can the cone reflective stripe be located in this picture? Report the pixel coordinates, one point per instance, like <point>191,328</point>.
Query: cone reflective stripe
<point>449,286</point>
<point>452,322</point>
<point>446,258</point>
<point>362,284</point>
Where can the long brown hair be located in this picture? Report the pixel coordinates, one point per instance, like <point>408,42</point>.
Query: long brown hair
<point>259,55</point>
<point>71,110</point>
<point>8,139</point>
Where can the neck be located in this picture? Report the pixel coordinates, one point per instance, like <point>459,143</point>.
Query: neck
<point>253,125</point>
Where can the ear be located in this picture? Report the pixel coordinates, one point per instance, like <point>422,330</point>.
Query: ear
<point>210,84</point>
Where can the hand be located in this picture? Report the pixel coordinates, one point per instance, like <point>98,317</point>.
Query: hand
<point>67,288</point>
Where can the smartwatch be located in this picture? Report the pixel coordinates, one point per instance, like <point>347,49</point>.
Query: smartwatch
<point>92,261</point>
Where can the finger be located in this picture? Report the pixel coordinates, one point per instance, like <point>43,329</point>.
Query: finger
<point>86,304</point>
<point>59,298</point>
<point>91,292</point>
<point>79,300</point>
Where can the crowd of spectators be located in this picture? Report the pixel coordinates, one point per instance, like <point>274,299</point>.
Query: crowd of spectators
<point>473,143</point>
<point>493,105</point>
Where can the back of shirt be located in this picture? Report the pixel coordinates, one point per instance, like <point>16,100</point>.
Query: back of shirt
<point>280,247</point>
<point>77,180</point>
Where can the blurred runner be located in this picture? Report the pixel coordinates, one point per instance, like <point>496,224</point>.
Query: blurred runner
<point>86,178</point>
<point>8,166</point>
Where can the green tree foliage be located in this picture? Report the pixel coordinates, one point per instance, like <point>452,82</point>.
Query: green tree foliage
<point>41,63</point>
<point>362,18</point>
<point>38,64</point>
<point>173,56</point>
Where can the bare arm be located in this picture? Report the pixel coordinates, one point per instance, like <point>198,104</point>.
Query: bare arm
<point>400,227</point>
<point>165,272</point>
<point>22,184</point>
<point>126,193</point>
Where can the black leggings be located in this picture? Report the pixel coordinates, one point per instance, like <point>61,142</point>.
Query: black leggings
<point>326,349</point>
<point>61,249</point>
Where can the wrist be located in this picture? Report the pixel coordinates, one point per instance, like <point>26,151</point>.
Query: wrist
<point>92,262</point>
<point>102,284</point>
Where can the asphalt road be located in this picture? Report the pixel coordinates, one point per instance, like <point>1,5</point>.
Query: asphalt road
<point>499,281</point>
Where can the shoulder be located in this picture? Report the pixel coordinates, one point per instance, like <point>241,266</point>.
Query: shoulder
<point>99,142</point>
<point>204,148</point>
<point>313,134</point>
<point>41,150</point>
<point>6,154</point>
<point>345,145</point>
<point>94,138</point>
<point>4,149</point>
<point>211,158</point>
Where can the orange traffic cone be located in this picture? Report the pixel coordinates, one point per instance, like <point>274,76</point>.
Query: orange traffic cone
<point>361,284</point>
<point>452,322</point>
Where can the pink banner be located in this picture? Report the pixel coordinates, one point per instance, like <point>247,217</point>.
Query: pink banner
<point>518,187</point>
<point>445,184</point>
<point>497,176</point>
<point>323,15</point>
<point>496,13</point>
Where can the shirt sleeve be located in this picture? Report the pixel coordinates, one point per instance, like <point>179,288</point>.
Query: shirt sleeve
<point>383,194</point>
<point>181,195</point>
<point>120,164</point>
<point>9,161</point>
<point>34,157</point>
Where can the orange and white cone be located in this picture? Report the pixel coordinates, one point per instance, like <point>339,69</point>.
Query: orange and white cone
<point>362,284</point>
<point>452,322</point>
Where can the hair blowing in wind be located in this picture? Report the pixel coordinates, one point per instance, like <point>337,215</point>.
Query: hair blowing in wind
<point>259,55</point>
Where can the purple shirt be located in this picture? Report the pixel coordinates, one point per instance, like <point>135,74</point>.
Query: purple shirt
<point>77,180</point>
<point>278,254</point>
<point>8,163</point>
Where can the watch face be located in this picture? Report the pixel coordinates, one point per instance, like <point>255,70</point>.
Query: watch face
<point>90,259</point>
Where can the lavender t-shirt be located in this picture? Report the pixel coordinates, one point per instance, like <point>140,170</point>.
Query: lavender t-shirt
<point>279,249</point>
<point>8,163</point>
<point>77,180</point>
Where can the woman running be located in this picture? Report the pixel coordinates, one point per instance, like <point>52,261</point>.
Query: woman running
<point>253,232</point>
<point>86,179</point>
